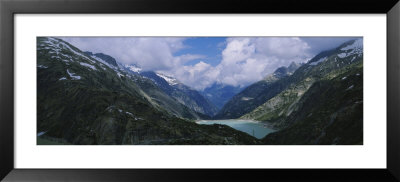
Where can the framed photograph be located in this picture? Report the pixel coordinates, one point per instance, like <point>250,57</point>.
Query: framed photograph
<point>145,91</point>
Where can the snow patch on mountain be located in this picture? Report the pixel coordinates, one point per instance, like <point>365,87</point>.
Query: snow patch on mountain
<point>104,63</point>
<point>342,55</point>
<point>73,76</point>
<point>57,46</point>
<point>64,45</point>
<point>350,87</point>
<point>356,48</point>
<point>246,98</point>
<point>41,133</point>
<point>170,80</point>
<point>119,74</point>
<point>88,65</point>
<point>41,66</point>
<point>133,68</point>
<point>357,44</point>
<point>319,61</point>
<point>112,108</point>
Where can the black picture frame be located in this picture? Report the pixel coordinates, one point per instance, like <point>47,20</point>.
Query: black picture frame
<point>9,8</point>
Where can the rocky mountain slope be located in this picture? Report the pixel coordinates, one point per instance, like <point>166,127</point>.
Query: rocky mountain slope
<point>329,112</point>
<point>91,98</point>
<point>257,93</point>
<point>199,106</point>
<point>320,103</point>
<point>182,93</point>
<point>87,100</point>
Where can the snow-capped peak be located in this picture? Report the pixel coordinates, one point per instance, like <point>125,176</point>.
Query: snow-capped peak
<point>169,79</point>
<point>133,68</point>
<point>356,48</point>
<point>357,45</point>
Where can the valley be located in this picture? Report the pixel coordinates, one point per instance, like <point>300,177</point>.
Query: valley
<point>87,98</point>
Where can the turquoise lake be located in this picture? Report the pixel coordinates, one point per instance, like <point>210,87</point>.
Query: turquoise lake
<point>253,128</point>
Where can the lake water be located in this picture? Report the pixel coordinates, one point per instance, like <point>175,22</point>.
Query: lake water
<point>251,127</point>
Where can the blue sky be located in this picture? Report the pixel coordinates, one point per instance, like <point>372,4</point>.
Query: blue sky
<point>201,61</point>
<point>211,47</point>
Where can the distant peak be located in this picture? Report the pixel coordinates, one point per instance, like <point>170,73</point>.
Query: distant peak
<point>88,53</point>
<point>169,79</point>
<point>294,66</point>
<point>108,59</point>
<point>281,72</point>
<point>133,67</point>
<point>356,44</point>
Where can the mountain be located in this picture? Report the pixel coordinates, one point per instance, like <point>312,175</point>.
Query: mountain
<point>320,103</point>
<point>108,59</point>
<point>153,91</point>
<point>183,94</point>
<point>87,100</point>
<point>286,71</point>
<point>255,94</point>
<point>132,68</point>
<point>325,67</point>
<point>219,93</point>
<point>329,112</point>
<point>193,100</point>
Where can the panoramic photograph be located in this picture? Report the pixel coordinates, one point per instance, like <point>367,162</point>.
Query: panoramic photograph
<point>199,90</point>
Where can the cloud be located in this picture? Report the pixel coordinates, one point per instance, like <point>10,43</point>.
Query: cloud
<point>197,76</point>
<point>243,60</point>
<point>283,47</point>
<point>319,44</point>
<point>182,59</point>
<point>151,53</point>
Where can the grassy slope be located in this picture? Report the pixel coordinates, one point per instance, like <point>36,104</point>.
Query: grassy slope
<point>330,112</point>
<point>280,105</point>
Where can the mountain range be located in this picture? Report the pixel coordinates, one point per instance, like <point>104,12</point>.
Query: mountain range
<point>257,93</point>
<point>88,99</point>
<point>92,98</point>
<point>197,106</point>
<point>321,102</point>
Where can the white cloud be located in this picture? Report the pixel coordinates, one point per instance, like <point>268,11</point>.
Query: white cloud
<point>284,48</point>
<point>198,76</point>
<point>151,53</point>
<point>247,60</point>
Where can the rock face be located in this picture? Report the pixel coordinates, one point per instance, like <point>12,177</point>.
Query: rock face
<point>257,93</point>
<point>330,112</point>
<point>299,104</point>
<point>87,100</point>
<point>106,58</point>
<point>182,93</point>
<point>170,94</point>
